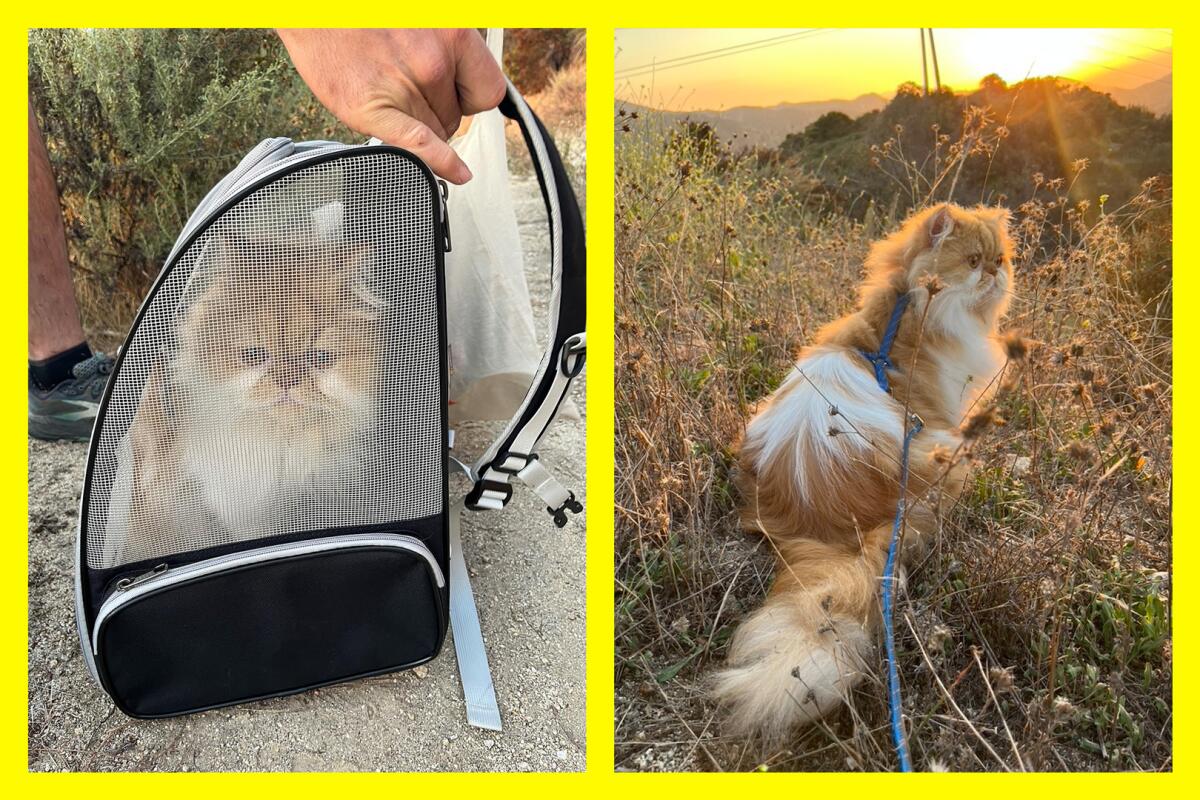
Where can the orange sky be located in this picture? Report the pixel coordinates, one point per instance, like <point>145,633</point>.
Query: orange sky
<point>794,65</point>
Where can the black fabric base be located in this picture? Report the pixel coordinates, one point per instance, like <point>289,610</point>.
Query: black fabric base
<point>432,531</point>
<point>272,628</point>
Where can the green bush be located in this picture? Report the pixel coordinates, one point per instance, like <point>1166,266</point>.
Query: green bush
<point>139,125</point>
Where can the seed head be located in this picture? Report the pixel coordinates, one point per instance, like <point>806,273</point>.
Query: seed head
<point>1082,452</point>
<point>978,423</point>
<point>940,454</point>
<point>1001,678</point>
<point>1015,346</point>
<point>932,284</point>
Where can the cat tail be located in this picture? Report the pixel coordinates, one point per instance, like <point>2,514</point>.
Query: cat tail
<point>795,659</point>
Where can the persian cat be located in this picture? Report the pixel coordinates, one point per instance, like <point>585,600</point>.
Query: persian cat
<point>820,460</point>
<point>267,397</point>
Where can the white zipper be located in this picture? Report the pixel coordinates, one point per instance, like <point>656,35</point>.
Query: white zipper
<point>129,589</point>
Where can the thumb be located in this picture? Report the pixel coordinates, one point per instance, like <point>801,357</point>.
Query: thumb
<point>400,130</point>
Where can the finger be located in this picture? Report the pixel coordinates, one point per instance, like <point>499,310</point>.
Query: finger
<point>480,82</point>
<point>431,71</point>
<point>443,106</point>
<point>401,130</point>
<point>410,101</point>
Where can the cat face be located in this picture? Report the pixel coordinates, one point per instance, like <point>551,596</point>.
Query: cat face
<point>289,347</point>
<point>969,252</point>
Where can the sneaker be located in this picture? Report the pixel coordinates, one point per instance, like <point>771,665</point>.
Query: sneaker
<point>68,410</point>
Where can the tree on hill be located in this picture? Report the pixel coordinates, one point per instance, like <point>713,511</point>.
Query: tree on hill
<point>1044,126</point>
<point>827,127</point>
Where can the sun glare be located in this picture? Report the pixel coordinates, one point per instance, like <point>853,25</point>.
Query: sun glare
<point>1014,55</point>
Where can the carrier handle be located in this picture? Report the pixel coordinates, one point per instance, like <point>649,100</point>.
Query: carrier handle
<point>515,449</point>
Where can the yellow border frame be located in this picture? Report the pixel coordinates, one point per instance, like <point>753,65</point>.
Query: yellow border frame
<point>600,20</point>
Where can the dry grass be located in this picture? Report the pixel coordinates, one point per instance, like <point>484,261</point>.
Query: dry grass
<point>1035,635</point>
<point>562,108</point>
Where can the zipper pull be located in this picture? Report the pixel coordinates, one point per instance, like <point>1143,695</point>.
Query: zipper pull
<point>129,583</point>
<point>445,216</point>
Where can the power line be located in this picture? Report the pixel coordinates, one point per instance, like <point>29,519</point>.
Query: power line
<point>1129,43</point>
<point>1121,71</point>
<point>652,69</point>
<point>660,64</point>
<point>1127,55</point>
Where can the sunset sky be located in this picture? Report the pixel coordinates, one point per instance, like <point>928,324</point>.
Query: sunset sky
<point>679,70</point>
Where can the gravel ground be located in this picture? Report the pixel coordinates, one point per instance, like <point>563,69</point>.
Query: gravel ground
<point>528,578</point>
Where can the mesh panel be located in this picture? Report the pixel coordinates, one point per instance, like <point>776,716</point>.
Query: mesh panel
<point>285,377</point>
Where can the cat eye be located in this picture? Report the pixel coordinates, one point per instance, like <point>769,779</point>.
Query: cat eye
<point>253,356</point>
<point>973,260</point>
<point>999,261</point>
<point>320,359</point>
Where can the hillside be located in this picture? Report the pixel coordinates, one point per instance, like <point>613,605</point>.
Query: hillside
<point>1154,96</point>
<point>1038,130</point>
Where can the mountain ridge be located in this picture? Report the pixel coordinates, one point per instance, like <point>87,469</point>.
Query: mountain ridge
<point>768,126</point>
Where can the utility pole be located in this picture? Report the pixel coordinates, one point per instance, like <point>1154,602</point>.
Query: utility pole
<point>924,65</point>
<point>937,75</point>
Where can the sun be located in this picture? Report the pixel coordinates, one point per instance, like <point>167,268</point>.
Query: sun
<point>1017,54</point>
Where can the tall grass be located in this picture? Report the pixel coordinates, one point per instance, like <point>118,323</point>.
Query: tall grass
<point>1036,632</point>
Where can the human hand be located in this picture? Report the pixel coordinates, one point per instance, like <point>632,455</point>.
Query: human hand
<point>408,87</point>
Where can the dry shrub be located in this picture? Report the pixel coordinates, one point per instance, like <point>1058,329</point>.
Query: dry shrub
<point>1043,609</point>
<point>532,56</point>
<point>563,102</point>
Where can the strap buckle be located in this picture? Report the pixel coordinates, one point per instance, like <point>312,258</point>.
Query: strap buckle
<point>560,513</point>
<point>574,346</point>
<point>477,502</point>
<point>498,463</point>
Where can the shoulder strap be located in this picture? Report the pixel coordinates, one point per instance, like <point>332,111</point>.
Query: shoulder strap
<point>514,453</point>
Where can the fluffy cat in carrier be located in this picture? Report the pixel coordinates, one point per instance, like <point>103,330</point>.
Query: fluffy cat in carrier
<point>820,459</point>
<point>271,387</point>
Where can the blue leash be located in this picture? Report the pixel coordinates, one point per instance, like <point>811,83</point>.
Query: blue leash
<point>882,363</point>
<point>879,359</point>
<point>889,581</point>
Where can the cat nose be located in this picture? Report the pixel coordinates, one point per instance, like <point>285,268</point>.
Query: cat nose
<point>288,377</point>
<point>990,269</point>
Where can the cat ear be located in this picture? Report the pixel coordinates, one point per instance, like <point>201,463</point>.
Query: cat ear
<point>1002,216</point>
<point>358,272</point>
<point>940,225</point>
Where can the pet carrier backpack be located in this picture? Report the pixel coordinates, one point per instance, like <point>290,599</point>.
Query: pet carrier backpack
<point>266,508</point>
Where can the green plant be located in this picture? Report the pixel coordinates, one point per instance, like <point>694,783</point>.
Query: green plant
<point>139,125</point>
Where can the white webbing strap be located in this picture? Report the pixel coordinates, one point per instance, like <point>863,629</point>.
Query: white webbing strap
<point>478,691</point>
<point>543,484</point>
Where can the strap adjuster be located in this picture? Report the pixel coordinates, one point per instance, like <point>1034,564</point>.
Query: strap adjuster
<point>498,463</point>
<point>503,488</point>
<point>560,513</point>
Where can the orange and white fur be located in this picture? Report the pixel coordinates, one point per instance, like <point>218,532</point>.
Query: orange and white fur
<point>820,460</point>
<point>273,385</point>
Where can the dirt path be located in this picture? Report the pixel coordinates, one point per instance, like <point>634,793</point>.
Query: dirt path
<point>528,578</point>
